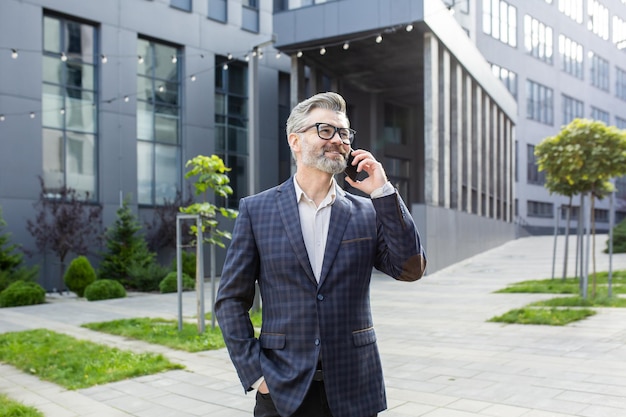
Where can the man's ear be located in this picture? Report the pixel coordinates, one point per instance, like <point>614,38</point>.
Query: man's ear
<point>294,141</point>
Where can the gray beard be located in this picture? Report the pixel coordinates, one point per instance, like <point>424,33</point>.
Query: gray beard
<point>324,164</point>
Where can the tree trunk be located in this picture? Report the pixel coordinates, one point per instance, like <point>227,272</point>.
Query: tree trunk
<point>593,243</point>
<point>569,219</point>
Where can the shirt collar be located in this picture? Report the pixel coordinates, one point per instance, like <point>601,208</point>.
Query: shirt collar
<point>332,191</point>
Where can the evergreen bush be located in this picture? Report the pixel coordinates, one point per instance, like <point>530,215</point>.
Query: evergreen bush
<point>188,261</point>
<point>170,283</point>
<point>79,275</point>
<point>619,238</point>
<point>21,293</point>
<point>11,269</point>
<point>146,277</point>
<point>125,246</point>
<point>104,289</point>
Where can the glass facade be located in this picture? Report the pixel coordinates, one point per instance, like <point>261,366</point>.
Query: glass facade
<point>69,106</point>
<point>158,122</point>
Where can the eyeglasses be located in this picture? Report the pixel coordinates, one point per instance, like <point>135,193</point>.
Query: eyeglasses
<point>327,132</point>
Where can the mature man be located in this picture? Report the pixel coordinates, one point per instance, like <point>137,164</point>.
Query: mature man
<point>311,247</point>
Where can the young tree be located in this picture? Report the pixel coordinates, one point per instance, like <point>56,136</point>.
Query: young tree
<point>65,223</point>
<point>11,261</point>
<point>581,159</point>
<point>125,247</point>
<point>211,175</point>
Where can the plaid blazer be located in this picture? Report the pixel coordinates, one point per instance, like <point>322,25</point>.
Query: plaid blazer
<point>304,320</point>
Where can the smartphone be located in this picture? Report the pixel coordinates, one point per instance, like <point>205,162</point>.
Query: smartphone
<point>351,169</point>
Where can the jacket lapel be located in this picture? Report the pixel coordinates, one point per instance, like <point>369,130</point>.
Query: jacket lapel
<point>339,218</point>
<point>288,209</point>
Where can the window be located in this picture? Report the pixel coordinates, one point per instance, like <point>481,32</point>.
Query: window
<point>396,124</point>
<point>181,4</point>
<point>399,172</point>
<point>601,115</point>
<point>619,32</point>
<point>599,72</point>
<point>538,40</point>
<point>571,57</point>
<point>69,106</point>
<point>218,10</point>
<point>620,83</point>
<point>231,124</point>
<point>533,175</point>
<point>250,15</point>
<point>620,188</point>
<point>508,77</point>
<point>539,103</point>
<point>572,109</point>
<point>540,209</point>
<point>598,19</point>
<point>620,122</point>
<point>500,21</point>
<point>572,9</point>
<point>158,122</point>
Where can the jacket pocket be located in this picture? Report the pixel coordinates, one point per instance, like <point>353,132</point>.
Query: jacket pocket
<point>272,340</point>
<point>364,337</point>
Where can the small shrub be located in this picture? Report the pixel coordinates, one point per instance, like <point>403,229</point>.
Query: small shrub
<point>79,274</point>
<point>619,238</point>
<point>170,283</point>
<point>188,261</point>
<point>104,289</point>
<point>146,277</point>
<point>21,293</point>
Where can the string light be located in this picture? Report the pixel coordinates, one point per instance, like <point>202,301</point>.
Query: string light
<point>225,67</point>
<point>63,57</point>
<point>409,27</point>
<point>161,88</point>
<point>379,38</point>
<point>193,78</point>
<point>32,115</point>
<point>278,55</point>
<point>62,111</point>
<point>1,117</point>
<point>126,99</point>
<point>229,56</point>
<point>323,51</point>
<point>14,53</point>
<point>140,59</point>
<point>247,58</point>
<point>103,59</point>
<point>299,54</point>
<point>346,46</point>
<point>174,59</point>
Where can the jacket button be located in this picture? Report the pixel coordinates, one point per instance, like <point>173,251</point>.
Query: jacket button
<point>317,342</point>
<point>320,297</point>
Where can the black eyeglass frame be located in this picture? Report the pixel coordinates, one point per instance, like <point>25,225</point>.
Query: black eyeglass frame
<point>337,129</point>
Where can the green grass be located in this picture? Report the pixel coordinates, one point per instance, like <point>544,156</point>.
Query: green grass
<point>543,316</point>
<point>163,332</point>
<point>557,311</point>
<point>10,408</point>
<point>74,363</point>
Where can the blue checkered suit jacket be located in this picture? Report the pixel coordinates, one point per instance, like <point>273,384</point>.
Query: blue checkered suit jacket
<point>303,319</point>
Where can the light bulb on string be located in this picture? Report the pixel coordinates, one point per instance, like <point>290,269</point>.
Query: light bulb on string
<point>32,115</point>
<point>260,54</point>
<point>379,38</point>
<point>323,51</point>
<point>278,55</point>
<point>103,59</point>
<point>299,54</point>
<point>225,67</point>
<point>174,59</point>
<point>193,78</point>
<point>230,56</point>
<point>63,57</point>
<point>346,46</point>
<point>140,59</point>
<point>62,111</point>
<point>161,88</point>
<point>409,27</point>
<point>1,117</point>
<point>247,58</point>
<point>14,53</point>
<point>126,99</point>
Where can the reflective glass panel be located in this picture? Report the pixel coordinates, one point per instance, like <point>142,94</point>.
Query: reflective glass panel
<point>80,163</point>
<point>145,123</point>
<point>52,104</point>
<point>166,174</point>
<point>144,172</point>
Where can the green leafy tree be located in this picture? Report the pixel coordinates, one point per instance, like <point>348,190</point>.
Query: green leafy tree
<point>125,247</point>
<point>11,260</point>
<point>581,159</point>
<point>210,173</point>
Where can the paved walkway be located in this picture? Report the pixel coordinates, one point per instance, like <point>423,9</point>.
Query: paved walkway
<point>441,358</point>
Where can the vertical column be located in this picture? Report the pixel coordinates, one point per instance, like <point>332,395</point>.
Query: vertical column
<point>431,120</point>
<point>444,132</point>
<point>296,81</point>
<point>486,161</point>
<point>468,134</point>
<point>458,133</point>
<point>510,178</point>
<point>502,161</point>
<point>478,151</point>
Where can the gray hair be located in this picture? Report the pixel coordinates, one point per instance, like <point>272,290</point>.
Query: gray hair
<point>330,101</point>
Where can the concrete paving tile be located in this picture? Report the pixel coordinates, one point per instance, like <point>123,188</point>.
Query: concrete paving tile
<point>469,405</point>
<point>501,410</point>
<point>409,409</point>
<point>602,411</point>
